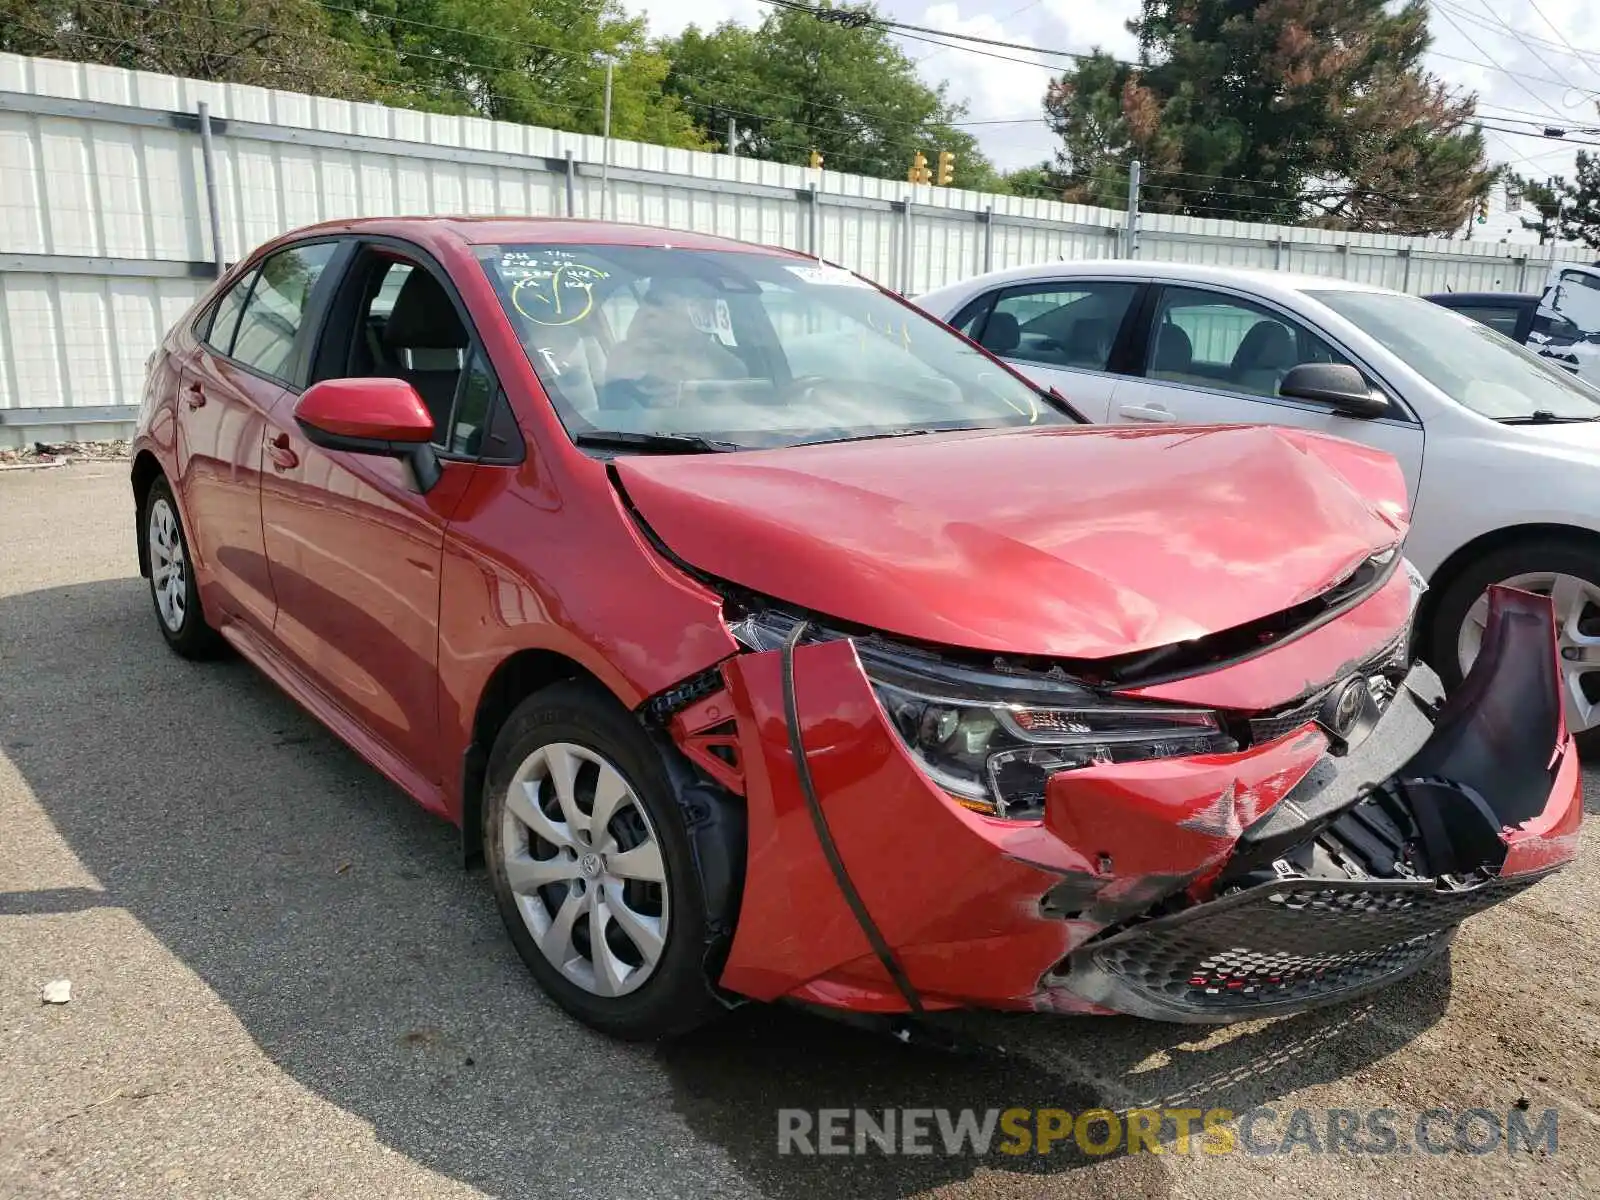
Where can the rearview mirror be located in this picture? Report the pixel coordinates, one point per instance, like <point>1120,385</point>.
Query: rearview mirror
<point>371,416</point>
<point>1338,385</point>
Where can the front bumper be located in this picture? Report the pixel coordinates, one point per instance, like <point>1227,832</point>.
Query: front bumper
<point>1211,888</point>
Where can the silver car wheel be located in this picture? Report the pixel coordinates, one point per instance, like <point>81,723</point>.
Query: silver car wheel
<point>584,865</point>
<point>1577,608</point>
<point>169,570</point>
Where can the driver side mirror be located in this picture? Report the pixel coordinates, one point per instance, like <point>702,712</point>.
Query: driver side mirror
<point>371,416</point>
<point>1338,385</point>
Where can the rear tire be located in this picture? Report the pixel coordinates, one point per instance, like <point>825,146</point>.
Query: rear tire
<point>562,868</point>
<point>173,590</point>
<point>1543,565</point>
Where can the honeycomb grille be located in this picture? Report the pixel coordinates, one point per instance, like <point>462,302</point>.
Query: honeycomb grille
<point>1287,945</point>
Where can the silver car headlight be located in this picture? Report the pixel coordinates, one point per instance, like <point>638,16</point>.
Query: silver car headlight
<point>992,738</point>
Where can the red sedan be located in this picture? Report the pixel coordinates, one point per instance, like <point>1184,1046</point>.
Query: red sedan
<point>770,640</point>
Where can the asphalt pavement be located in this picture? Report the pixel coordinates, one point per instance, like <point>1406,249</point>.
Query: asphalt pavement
<point>284,984</point>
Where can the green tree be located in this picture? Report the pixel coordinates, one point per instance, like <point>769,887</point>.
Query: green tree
<point>1038,181</point>
<point>794,84</point>
<point>271,43</point>
<point>538,63</point>
<point>1314,111</point>
<point>1562,210</point>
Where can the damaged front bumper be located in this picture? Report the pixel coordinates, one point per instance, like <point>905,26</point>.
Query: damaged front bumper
<point>1331,860</point>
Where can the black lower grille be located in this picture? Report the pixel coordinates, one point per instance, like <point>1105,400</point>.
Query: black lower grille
<point>1290,945</point>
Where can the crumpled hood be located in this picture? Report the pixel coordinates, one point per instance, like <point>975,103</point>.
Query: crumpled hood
<point>1073,542</point>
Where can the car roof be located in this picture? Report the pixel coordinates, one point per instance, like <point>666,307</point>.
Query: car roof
<point>1265,282</point>
<point>1484,297</point>
<point>547,230</point>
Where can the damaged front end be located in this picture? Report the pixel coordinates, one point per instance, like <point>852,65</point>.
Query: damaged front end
<point>929,832</point>
<point>1361,874</point>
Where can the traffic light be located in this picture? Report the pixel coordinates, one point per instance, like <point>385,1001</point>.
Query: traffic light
<point>947,168</point>
<point>919,172</point>
<point>816,158</point>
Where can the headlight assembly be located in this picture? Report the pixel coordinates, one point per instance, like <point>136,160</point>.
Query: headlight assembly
<point>992,739</point>
<point>995,757</point>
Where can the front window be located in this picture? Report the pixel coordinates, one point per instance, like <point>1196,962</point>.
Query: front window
<point>741,349</point>
<point>1210,340</point>
<point>1469,362</point>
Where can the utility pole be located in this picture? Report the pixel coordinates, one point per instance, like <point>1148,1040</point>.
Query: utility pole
<point>1131,232</point>
<point>605,165</point>
<point>733,137</point>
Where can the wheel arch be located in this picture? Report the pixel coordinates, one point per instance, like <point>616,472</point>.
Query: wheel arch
<point>517,677</point>
<point>1465,555</point>
<point>146,470</point>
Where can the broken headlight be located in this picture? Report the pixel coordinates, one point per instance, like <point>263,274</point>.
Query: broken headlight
<point>991,738</point>
<point>994,755</point>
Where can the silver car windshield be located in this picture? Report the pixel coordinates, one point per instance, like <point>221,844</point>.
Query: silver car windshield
<point>1467,361</point>
<point>741,349</point>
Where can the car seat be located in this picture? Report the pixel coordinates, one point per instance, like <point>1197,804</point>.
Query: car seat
<point>1174,352</point>
<point>426,343</point>
<point>1263,358</point>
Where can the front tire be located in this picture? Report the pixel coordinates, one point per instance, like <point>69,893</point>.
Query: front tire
<point>591,866</point>
<point>173,589</point>
<point>1567,572</point>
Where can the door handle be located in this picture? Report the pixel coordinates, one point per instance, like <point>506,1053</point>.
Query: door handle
<point>197,395</point>
<point>1145,412</point>
<point>282,457</point>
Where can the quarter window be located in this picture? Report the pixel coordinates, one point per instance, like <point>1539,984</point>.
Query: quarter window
<point>1210,340</point>
<point>1068,325</point>
<point>273,315</point>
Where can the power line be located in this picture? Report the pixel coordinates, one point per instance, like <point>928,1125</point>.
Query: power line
<point>1522,41</point>
<point>1517,79</point>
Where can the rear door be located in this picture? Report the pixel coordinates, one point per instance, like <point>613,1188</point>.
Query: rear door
<point>1069,334</point>
<point>355,547</point>
<point>1209,356</point>
<point>248,344</point>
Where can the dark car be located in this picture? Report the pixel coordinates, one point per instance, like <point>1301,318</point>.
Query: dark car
<point>1517,315</point>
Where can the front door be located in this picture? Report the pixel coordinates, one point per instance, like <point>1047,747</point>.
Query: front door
<point>354,545</point>
<point>1212,357</point>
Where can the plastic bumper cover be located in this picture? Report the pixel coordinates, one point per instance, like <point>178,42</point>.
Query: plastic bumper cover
<point>1057,915</point>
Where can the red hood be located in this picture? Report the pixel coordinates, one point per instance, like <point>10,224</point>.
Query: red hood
<point>1072,542</point>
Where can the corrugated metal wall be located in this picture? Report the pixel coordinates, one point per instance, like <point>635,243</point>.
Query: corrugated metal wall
<point>105,228</point>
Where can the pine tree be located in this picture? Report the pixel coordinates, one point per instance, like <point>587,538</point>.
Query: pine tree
<point>1299,111</point>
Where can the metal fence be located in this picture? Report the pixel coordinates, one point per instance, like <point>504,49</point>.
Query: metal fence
<point>122,191</point>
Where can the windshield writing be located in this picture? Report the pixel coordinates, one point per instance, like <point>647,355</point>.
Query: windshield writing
<point>751,349</point>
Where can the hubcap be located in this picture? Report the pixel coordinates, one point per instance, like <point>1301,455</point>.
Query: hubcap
<point>169,572</point>
<point>1577,608</point>
<point>584,865</point>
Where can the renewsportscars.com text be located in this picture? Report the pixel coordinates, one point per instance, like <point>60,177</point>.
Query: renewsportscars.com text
<point>1257,1131</point>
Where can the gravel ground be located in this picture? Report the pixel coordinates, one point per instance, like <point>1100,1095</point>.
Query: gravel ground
<point>283,984</point>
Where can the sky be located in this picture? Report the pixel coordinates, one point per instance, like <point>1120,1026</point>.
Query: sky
<point>1527,60</point>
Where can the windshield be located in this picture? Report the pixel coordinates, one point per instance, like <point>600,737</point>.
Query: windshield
<point>740,350</point>
<point>1469,362</point>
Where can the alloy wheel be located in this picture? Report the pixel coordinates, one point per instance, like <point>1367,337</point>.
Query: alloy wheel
<point>1577,608</point>
<point>169,569</point>
<point>585,868</point>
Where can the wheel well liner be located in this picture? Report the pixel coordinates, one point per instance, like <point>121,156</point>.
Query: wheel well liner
<point>146,470</point>
<point>513,681</point>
